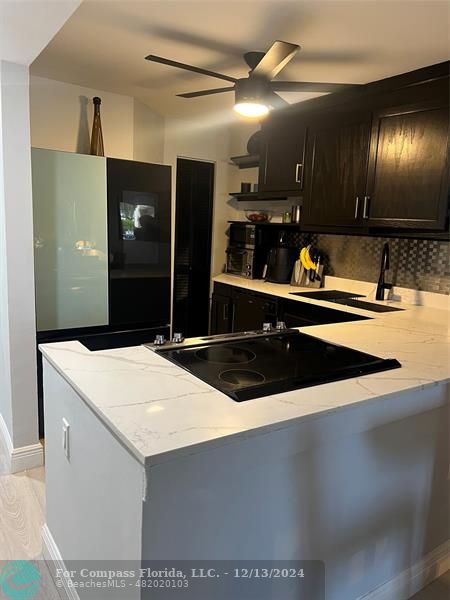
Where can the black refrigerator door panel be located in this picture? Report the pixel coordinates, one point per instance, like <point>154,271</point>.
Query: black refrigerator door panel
<point>139,230</point>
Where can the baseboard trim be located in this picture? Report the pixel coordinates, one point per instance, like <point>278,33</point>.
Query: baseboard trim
<point>27,457</point>
<point>23,458</point>
<point>414,579</point>
<point>54,561</point>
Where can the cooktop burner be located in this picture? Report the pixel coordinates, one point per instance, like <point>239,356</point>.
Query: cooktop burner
<point>225,354</point>
<point>270,364</point>
<point>241,377</point>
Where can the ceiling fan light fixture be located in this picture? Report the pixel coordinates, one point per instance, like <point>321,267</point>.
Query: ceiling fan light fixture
<point>252,110</point>
<point>250,98</point>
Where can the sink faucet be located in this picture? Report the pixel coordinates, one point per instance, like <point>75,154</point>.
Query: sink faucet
<point>382,285</point>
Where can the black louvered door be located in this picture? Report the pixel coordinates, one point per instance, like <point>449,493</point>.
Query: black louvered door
<point>193,233</point>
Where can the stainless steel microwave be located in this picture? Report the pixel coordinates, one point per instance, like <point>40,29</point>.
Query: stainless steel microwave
<point>243,235</point>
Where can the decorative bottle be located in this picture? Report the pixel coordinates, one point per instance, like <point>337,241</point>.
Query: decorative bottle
<point>97,136</point>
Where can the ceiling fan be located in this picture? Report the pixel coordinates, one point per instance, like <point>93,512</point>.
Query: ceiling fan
<point>256,94</point>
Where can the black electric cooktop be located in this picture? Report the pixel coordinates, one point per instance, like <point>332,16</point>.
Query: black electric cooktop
<point>265,365</point>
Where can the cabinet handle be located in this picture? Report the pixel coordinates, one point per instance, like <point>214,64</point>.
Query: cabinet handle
<point>298,178</point>
<point>225,312</point>
<point>356,207</point>
<point>366,207</point>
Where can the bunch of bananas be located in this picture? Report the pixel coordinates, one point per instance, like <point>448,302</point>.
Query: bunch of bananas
<point>306,260</point>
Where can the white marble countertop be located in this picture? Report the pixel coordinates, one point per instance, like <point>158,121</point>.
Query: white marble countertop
<point>159,411</point>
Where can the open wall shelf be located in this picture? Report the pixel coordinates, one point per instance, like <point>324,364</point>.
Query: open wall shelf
<point>272,196</point>
<point>246,161</point>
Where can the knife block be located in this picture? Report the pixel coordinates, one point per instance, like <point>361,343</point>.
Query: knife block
<point>300,277</point>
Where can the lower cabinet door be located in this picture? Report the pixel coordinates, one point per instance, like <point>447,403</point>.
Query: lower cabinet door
<point>221,313</point>
<point>250,311</point>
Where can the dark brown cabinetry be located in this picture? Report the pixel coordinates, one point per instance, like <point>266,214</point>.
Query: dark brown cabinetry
<point>221,313</point>
<point>407,183</point>
<point>234,310</point>
<point>251,310</point>
<point>366,160</point>
<point>336,168</point>
<point>282,156</point>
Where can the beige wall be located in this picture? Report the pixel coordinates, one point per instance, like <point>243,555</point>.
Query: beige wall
<point>148,134</point>
<point>61,119</point>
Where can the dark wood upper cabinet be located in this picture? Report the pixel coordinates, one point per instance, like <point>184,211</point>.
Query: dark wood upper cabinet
<point>366,160</point>
<point>336,168</point>
<point>408,185</point>
<point>282,155</point>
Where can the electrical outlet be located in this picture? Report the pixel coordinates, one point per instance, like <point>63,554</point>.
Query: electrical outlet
<point>65,438</point>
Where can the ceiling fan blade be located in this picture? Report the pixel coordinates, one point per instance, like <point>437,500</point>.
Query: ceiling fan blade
<point>275,59</point>
<point>206,92</point>
<point>310,86</point>
<point>276,101</point>
<point>178,65</point>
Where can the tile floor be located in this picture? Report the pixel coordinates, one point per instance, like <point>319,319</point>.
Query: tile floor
<point>22,510</point>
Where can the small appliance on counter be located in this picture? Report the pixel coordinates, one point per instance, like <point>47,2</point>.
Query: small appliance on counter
<point>248,248</point>
<point>254,364</point>
<point>280,262</point>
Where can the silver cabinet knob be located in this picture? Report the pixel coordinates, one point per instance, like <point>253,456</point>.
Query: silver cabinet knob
<point>267,326</point>
<point>178,338</point>
<point>160,340</point>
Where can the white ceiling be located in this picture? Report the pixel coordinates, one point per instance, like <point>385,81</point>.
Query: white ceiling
<point>104,43</point>
<point>27,25</point>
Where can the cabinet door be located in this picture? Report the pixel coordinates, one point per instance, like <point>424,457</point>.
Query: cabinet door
<point>408,170</point>
<point>336,169</point>
<point>139,240</point>
<point>282,157</point>
<point>250,311</point>
<point>221,310</point>
<point>70,240</point>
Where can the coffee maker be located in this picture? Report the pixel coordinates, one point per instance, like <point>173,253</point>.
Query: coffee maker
<point>280,261</point>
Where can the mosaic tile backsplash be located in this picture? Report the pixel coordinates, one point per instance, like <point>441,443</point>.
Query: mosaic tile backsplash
<point>417,264</point>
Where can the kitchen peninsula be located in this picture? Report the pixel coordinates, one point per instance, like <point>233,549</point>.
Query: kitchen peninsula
<point>353,472</point>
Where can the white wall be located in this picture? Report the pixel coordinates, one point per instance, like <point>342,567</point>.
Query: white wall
<point>61,119</point>
<point>18,391</point>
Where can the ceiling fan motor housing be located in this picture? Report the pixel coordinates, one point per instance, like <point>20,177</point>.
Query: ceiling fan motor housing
<point>253,89</point>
